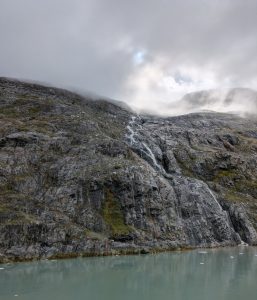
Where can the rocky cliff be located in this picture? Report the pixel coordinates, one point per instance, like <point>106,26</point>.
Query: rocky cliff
<point>88,177</point>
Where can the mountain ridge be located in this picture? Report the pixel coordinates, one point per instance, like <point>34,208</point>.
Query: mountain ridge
<point>87,177</point>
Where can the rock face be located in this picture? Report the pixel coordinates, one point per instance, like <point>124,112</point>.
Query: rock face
<point>89,177</point>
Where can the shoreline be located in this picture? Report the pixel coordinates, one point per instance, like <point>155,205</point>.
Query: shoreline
<point>115,252</point>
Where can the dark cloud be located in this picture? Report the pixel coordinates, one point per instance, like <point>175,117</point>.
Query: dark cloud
<point>139,51</point>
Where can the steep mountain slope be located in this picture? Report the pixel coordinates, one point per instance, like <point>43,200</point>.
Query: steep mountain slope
<point>88,177</point>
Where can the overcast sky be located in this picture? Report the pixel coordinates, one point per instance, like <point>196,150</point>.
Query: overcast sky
<point>144,52</point>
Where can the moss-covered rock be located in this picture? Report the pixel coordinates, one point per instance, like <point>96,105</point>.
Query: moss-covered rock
<point>113,216</point>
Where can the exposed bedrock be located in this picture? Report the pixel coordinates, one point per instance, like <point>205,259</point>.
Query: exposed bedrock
<point>89,177</point>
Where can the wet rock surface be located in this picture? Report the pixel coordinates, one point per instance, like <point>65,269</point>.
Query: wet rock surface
<point>88,177</point>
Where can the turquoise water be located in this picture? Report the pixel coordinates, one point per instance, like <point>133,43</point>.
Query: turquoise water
<point>216,274</point>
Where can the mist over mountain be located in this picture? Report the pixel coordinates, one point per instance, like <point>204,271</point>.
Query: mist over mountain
<point>128,127</point>
<point>141,55</point>
<point>240,101</point>
<point>236,100</point>
<point>86,176</point>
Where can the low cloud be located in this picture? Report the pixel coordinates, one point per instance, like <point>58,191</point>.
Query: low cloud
<point>239,101</point>
<point>147,53</point>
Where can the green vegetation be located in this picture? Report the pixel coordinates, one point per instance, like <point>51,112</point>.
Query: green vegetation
<point>94,235</point>
<point>113,216</point>
<point>233,196</point>
<point>4,208</point>
<point>186,165</point>
<point>222,175</point>
<point>10,111</point>
<point>7,188</point>
<point>247,186</point>
<point>34,110</point>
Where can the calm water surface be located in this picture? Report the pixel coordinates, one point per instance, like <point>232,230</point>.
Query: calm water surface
<point>217,274</point>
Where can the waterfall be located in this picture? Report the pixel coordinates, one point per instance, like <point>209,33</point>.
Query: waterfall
<point>242,243</point>
<point>132,133</point>
<point>150,154</point>
<point>215,199</point>
<point>132,128</point>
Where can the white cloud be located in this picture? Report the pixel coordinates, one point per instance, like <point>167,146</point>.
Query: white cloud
<point>156,84</point>
<point>146,52</point>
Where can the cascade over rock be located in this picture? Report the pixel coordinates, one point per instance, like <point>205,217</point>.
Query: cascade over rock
<point>89,177</point>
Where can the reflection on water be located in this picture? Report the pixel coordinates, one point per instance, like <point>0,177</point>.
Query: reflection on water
<point>199,274</point>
